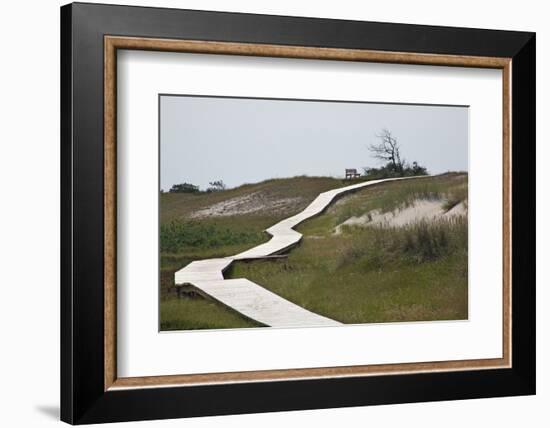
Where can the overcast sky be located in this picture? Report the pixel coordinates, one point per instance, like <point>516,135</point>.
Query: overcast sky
<point>248,140</point>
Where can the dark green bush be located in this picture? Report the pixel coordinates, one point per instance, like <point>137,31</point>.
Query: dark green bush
<point>394,171</point>
<point>184,188</point>
<point>216,186</point>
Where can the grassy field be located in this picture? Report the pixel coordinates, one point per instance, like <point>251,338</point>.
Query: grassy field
<point>184,237</point>
<point>364,274</point>
<point>377,274</point>
<point>194,314</point>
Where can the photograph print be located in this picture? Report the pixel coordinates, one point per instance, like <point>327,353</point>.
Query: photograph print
<point>306,213</point>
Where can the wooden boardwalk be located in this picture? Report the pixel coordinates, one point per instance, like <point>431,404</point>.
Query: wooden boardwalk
<point>251,299</point>
<point>259,304</point>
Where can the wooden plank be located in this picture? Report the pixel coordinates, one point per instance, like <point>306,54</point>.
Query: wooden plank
<point>261,305</point>
<point>202,270</point>
<point>251,299</point>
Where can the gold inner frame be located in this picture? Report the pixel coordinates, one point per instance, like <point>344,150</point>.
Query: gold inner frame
<point>113,43</point>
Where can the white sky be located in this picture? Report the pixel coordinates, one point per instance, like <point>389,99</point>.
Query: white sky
<point>250,140</point>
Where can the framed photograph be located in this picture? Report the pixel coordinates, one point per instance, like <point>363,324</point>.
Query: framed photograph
<point>265,213</point>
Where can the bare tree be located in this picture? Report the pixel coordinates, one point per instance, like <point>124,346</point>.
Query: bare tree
<point>387,150</point>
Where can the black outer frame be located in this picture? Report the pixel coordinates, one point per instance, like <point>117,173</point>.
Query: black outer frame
<point>83,399</point>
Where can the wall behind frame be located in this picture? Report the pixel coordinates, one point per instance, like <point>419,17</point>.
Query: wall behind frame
<point>29,220</point>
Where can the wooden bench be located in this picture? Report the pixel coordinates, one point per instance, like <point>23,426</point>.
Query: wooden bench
<point>352,173</point>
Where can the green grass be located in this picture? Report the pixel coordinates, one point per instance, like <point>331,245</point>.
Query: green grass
<point>180,236</point>
<point>387,197</point>
<point>363,275</point>
<point>186,314</point>
<point>184,239</point>
<point>371,274</point>
<point>182,205</point>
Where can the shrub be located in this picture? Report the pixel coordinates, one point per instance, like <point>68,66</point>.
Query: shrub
<point>184,188</point>
<point>216,186</point>
<point>394,171</point>
<point>418,170</point>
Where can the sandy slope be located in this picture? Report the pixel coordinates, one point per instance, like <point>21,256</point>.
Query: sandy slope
<point>421,209</point>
